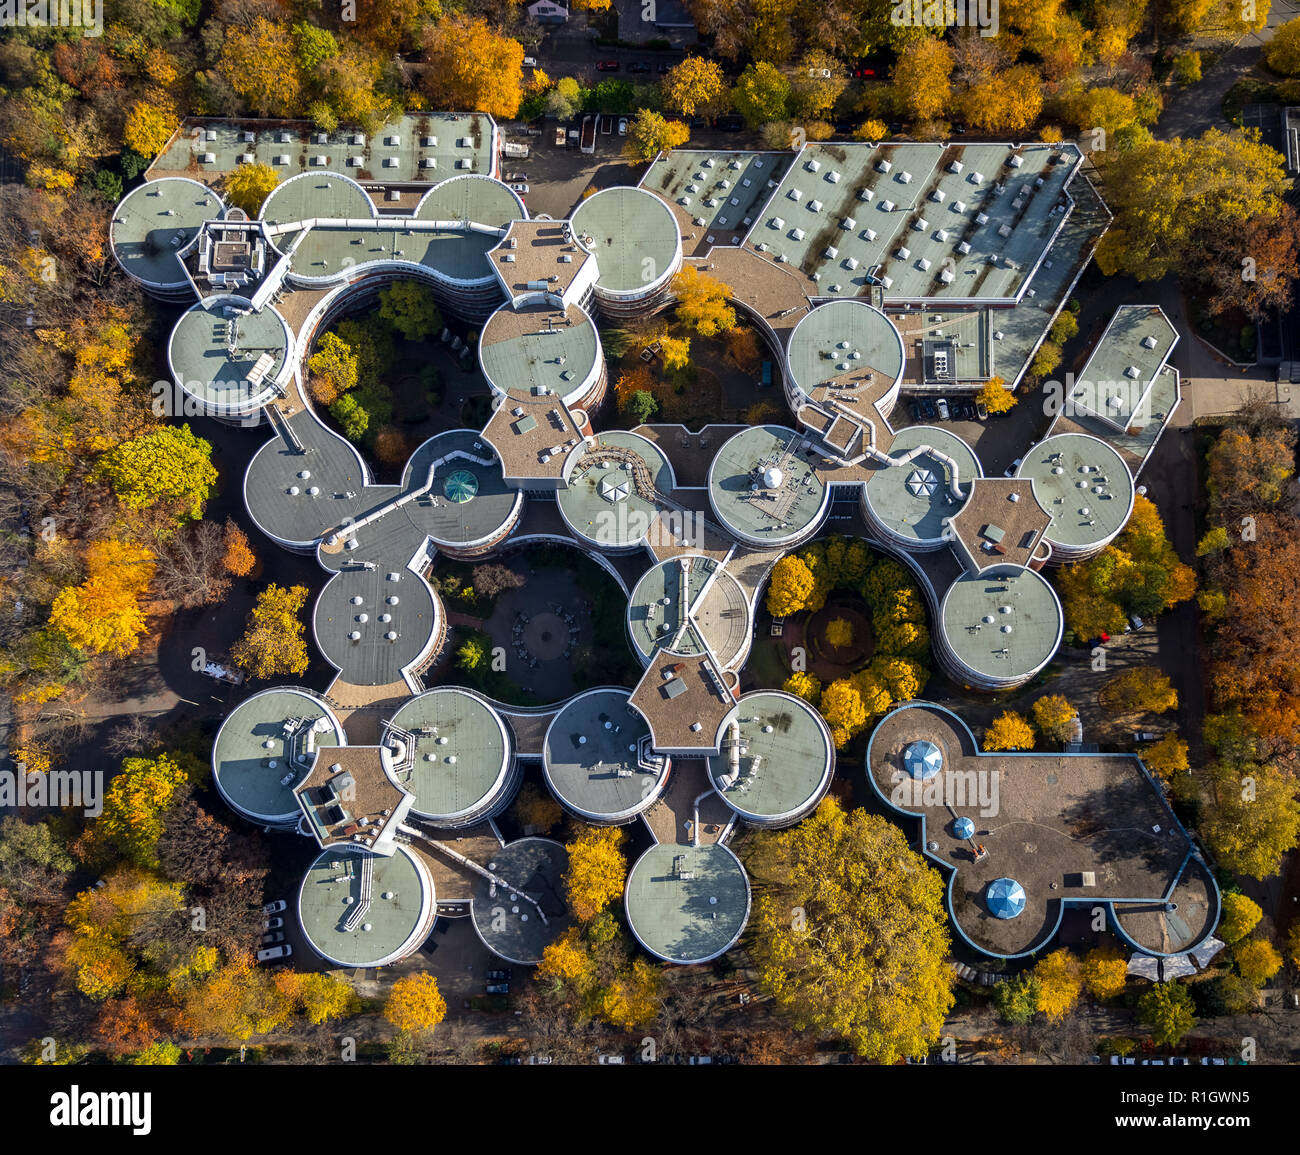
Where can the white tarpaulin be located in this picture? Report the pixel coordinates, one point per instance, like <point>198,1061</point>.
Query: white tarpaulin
<point>1145,966</point>
<point>1178,966</point>
<point>1206,951</point>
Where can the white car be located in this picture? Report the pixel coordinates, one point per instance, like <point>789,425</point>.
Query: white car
<point>530,61</point>
<point>521,189</point>
<point>622,126</point>
<point>1011,469</point>
<point>274,952</point>
<point>276,923</point>
<point>277,907</point>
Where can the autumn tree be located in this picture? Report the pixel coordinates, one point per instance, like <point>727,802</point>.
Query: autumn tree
<point>1007,101</point>
<point>149,125</point>
<point>103,614</point>
<point>134,805</point>
<point>695,86</point>
<point>921,78</point>
<point>536,808</point>
<point>790,587</point>
<point>803,685</point>
<point>411,310</point>
<point>324,997</point>
<point>761,94</point>
<point>866,961</point>
<point>649,134</point>
<point>170,465</point>
<point>839,632</point>
<point>1240,916</point>
<point>1166,757</point>
<point>415,1005</point>
<point>1282,53</point>
<point>1060,982</point>
<point>1167,1009</point>
<point>1140,690</point>
<point>702,302</point>
<point>1009,731</point>
<point>1251,268</point>
<point>1105,972</point>
<point>818,80</point>
<point>596,872</point>
<point>473,67</point>
<point>273,641</point>
<point>1257,960</point>
<point>845,713</point>
<point>249,186</point>
<point>236,1001</point>
<point>995,396</point>
<point>333,368</point>
<point>238,557</point>
<point>1016,999</point>
<point>258,61</point>
<point>1054,717</point>
<point>1249,816</point>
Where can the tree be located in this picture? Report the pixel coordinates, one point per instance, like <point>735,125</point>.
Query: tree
<point>922,84</point>
<point>491,580</point>
<point>995,396</point>
<point>473,67</point>
<point>1060,982</point>
<point>237,1001</point>
<point>34,862</point>
<point>1009,731</point>
<point>1257,960</point>
<point>415,1005</point>
<point>1293,944</point>
<point>238,558</point>
<point>1009,100</point>
<point>1240,916</point>
<point>1187,67</point>
<point>641,407</point>
<point>702,302</point>
<point>313,46</point>
<point>790,588</point>
<point>675,352</point>
<point>695,86</point>
<point>1016,999</point>
<point>1140,690</point>
<point>1167,1009</point>
<point>352,417</point>
<point>249,186</point>
<point>649,134</point>
<point>872,129</point>
<point>761,94</point>
<point>190,571</point>
<point>803,685</point>
<point>149,126</point>
<point>170,464</point>
<point>103,614</point>
<point>1166,757</point>
<point>258,62</point>
<point>411,309</point>
<point>1105,972</point>
<point>596,873</point>
<point>1247,471</point>
<point>845,713</point>
<point>324,997</point>
<point>334,368</point>
<point>1250,817</point>
<point>1054,717</point>
<point>1251,268</point>
<point>273,641</point>
<point>565,99</point>
<point>839,632</point>
<point>134,805</point>
<point>1282,53</point>
<point>866,961</point>
<point>471,654</point>
<point>534,807</point>
<point>818,82</point>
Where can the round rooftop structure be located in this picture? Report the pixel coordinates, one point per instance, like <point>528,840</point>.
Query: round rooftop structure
<point>684,590</point>
<point>388,630</point>
<point>266,747</point>
<point>963,827</point>
<point>520,915</point>
<point>1005,898</point>
<point>462,764</point>
<point>153,222</point>
<point>777,759</point>
<point>472,197</point>
<point>923,760</point>
<point>747,506</point>
<point>687,904</point>
<point>609,493</point>
<point>540,349</point>
<point>597,758</point>
<point>909,502</point>
<point>633,236</point>
<point>1086,487</point>
<point>846,340</point>
<point>999,627</point>
<point>228,357</point>
<point>316,196</point>
<point>470,506</point>
<point>363,910</point>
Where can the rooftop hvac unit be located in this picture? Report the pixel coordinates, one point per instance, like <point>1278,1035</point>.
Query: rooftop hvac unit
<point>797,234</point>
<point>390,162</point>
<point>920,224</point>
<point>509,258</point>
<point>249,137</point>
<point>795,195</point>
<point>976,178</point>
<point>429,162</point>
<point>886,206</point>
<point>1004,230</point>
<point>1133,371</point>
<point>937,196</point>
<point>883,166</point>
<point>923,265</point>
<point>429,141</point>
<point>566,259</point>
<point>831,252</point>
<point>848,223</point>
<point>283,158</point>
<point>246,158</point>
<point>1148,342</point>
<point>211,134</point>
<point>947,276</point>
<point>815,206</point>
<point>964,247</point>
<point>355,161</point>
<point>1014,161</point>
<point>887,282</point>
<point>868,234</point>
<point>904,178</point>
<point>318,160</point>
<point>941,235</point>
<point>865,194</point>
<point>394,194</point>
<point>321,137</point>
<point>776,223</point>
<point>812,165</point>
<point>851,263</point>
<point>392,141</point>
<point>464,162</point>
<point>902,252</point>
<point>833,177</point>
<point>959,206</point>
<point>981,218</point>
<point>357,138</point>
<point>208,158</point>
<point>465,142</point>
<point>956,166</point>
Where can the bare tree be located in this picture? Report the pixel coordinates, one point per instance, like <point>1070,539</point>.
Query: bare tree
<point>190,571</point>
<point>133,735</point>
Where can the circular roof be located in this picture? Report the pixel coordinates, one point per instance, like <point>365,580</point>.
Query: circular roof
<point>317,196</point>
<point>472,197</point>
<point>1005,898</point>
<point>539,346</point>
<point>472,504</point>
<point>747,505</point>
<point>1084,484</point>
<point>461,752</point>
<point>687,904</point>
<point>777,761</point>
<point>844,340</point>
<point>612,487</point>
<point>963,828</point>
<point>266,747</point>
<point>595,761</point>
<point>914,498</point>
<point>684,591</point>
<point>633,235</point>
<point>519,920</point>
<point>1002,624</point>
<point>153,222</point>
<point>923,760</point>
<point>359,921</point>
<point>217,344</point>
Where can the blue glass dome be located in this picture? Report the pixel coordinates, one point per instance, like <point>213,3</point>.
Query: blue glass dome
<point>963,828</point>
<point>923,760</point>
<point>1005,898</point>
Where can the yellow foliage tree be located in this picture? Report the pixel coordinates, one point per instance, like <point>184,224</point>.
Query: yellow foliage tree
<point>791,586</point>
<point>1240,916</point>
<point>149,126</point>
<point>1009,731</point>
<point>236,1002</point>
<point>238,558</point>
<point>1054,717</point>
<point>702,302</point>
<point>1105,972</point>
<point>415,1004</point>
<point>649,134</point>
<point>921,79</point>
<point>324,997</point>
<point>841,706</point>
<point>675,351</point>
<point>596,873</point>
<point>803,685</point>
<point>695,86</point>
<point>473,67</point>
<point>135,804</point>
<point>995,396</point>
<point>1009,100</point>
<point>273,641</point>
<point>839,632</point>
<point>259,63</point>
<point>1166,757</point>
<point>103,614</point>
<point>565,961</point>
<point>1060,982</point>
<point>1257,960</point>
<point>249,185</point>
<point>632,999</point>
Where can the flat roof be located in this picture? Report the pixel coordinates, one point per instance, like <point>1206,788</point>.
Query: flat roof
<point>923,198</point>
<point>595,761</point>
<point>1002,625</point>
<point>469,500</point>
<point>784,761</point>
<point>687,904</point>
<point>1123,364</point>
<point>1087,828</point>
<point>216,344</point>
<point>459,253</point>
<point>686,697</point>
<point>374,659</point>
<point>155,221</point>
<point>508,923</point>
<point>689,588</point>
<point>914,499</point>
<point>309,196</point>
<point>1002,521</point>
<point>632,234</point>
<point>461,751</point>
<point>844,338</point>
<point>614,488</point>
<point>1084,484</point>
<point>539,347</point>
<point>481,199</point>
<point>251,753</point>
<point>756,511</point>
<point>533,251</point>
<point>386,928</point>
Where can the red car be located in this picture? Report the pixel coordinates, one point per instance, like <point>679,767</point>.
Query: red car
<point>607,66</point>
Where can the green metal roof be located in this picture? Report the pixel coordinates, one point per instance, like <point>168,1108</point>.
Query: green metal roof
<point>601,500</point>
<point>1114,382</point>
<point>749,178</point>
<point>840,337</point>
<point>687,904</point>
<point>716,602</point>
<point>314,195</point>
<point>519,353</point>
<point>732,478</point>
<point>201,354</point>
<point>472,198</point>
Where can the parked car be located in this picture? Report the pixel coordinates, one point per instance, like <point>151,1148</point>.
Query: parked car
<point>611,1060</point>
<point>520,188</point>
<point>498,976</point>
<point>276,907</point>
<point>538,1060</point>
<point>273,953</point>
<point>942,405</point>
<point>622,126</point>
<point>272,938</point>
<point>530,61</point>
<point>863,71</point>
<point>1011,472</point>
<point>638,66</point>
<point>516,176</point>
<point>498,988</point>
<point>1146,736</point>
<point>607,66</point>
<point>273,923</point>
<point>1136,622</point>
<point>980,411</point>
